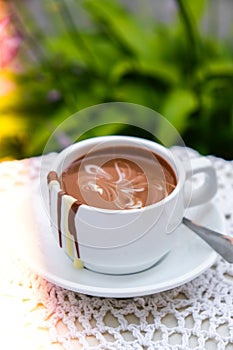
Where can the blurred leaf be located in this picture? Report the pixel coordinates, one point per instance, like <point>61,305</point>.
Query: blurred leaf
<point>190,30</point>
<point>104,51</point>
<point>120,69</point>
<point>197,8</point>
<point>91,94</point>
<point>178,106</point>
<point>103,130</point>
<point>62,47</point>
<point>217,69</point>
<point>43,129</point>
<point>166,72</point>
<point>121,24</point>
<point>135,92</point>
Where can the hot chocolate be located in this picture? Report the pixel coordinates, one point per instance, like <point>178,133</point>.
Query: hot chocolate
<point>119,178</point>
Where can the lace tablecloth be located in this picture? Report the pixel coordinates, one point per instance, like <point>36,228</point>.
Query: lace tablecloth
<point>35,314</point>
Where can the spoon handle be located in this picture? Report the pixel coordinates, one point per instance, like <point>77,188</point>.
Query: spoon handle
<point>221,243</point>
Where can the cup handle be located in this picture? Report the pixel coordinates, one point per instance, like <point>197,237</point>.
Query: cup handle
<point>207,189</point>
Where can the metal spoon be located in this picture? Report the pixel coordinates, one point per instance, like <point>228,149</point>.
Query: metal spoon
<point>221,243</point>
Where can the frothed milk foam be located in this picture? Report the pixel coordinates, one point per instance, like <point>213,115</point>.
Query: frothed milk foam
<point>119,178</point>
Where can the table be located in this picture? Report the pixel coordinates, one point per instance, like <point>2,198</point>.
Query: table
<point>36,314</point>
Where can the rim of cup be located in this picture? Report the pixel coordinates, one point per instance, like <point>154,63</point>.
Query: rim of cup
<point>81,146</point>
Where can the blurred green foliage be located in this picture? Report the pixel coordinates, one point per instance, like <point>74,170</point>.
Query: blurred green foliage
<point>172,68</point>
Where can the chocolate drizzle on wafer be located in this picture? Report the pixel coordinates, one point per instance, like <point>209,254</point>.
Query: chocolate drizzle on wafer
<point>52,176</point>
<point>71,224</point>
<point>53,179</point>
<point>59,204</point>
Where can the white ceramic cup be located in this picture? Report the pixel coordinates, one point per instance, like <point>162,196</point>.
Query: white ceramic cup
<point>123,241</point>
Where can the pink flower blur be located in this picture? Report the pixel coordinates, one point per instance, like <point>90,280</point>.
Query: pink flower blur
<point>9,44</point>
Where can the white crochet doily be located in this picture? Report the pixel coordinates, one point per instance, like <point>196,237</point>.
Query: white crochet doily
<point>36,314</point>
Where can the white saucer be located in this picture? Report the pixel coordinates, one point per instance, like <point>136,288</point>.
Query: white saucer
<point>39,249</point>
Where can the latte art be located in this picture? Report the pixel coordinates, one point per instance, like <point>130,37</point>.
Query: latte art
<point>123,184</point>
<point>123,179</point>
